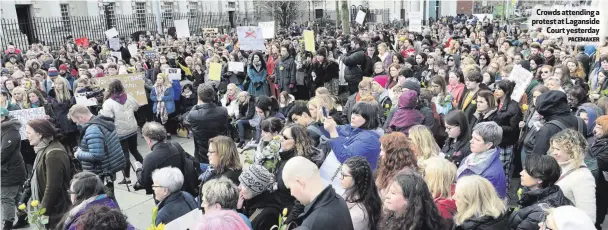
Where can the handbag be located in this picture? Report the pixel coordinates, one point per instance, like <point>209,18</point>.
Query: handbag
<point>182,132</point>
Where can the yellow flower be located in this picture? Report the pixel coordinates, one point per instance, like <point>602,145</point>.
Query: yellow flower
<point>161,226</point>
<point>34,203</point>
<point>524,107</point>
<point>285,212</point>
<point>473,102</point>
<point>22,207</point>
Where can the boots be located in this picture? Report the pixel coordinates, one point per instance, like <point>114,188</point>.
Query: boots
<point>8,225</point>
<point>21,221</point>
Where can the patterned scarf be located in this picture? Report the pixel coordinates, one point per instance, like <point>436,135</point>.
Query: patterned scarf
<point>161,110</point>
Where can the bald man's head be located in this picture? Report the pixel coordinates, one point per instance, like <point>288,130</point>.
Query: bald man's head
<point>302,177</point>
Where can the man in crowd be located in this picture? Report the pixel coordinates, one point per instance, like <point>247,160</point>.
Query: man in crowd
<point>206,120</point>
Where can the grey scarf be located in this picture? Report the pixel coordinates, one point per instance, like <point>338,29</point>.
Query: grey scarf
<point>40,154</point>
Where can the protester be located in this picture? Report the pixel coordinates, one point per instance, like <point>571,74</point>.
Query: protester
<point>566,218</point>
<point>361,194</point>
<point>479,206</point>
<point>440,176</point>
<point>101,217</point>
<point>172,202</point>
<point>423,145</point>
<point>13,167</point>
<point>396,154</point>
<point>255,198</point>
<point>223,160</point>
<point>221,194</point>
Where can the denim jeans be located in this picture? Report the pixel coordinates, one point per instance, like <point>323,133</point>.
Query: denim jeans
<point>242,126</point>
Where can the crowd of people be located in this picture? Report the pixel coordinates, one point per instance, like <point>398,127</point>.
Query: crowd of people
<point>377,129</point>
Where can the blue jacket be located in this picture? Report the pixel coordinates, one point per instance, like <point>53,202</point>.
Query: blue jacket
<point>492,171</point>
<point>174,206</point>
<point>257,77</point>
<point>168,98</point>
<point>99,135</point>
<point>353,142</point>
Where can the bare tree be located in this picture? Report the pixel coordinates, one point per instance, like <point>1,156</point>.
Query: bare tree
<point>284,12</point>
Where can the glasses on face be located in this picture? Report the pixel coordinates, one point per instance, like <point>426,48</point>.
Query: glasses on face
<point>286,137</point>
<point>343,175</point>
<point>157,186</point>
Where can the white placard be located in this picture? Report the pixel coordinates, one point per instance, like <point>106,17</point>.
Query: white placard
<point>174,74</point>
<point>522,79</point>
<point>132,49</point>
<point>267,29</point>
<point>190,220</point>
<point>236,66</point>
<point>81,99</point>
<point>114,43</point>
<point>111,33</point>
<point>360,17</point>
<point>250,38</point>
<point>26,115</point>
<point>182,30</point>
<point>415,19</point>
<point>117,55</point>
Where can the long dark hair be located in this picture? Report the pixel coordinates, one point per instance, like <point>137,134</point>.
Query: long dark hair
<point>269,105</point>
<point>458,118</point>
<point>262,62</point>
<point>303,144</point>
<point>420,211</point>
<point>364,190</point>
<point>114,88</point>
<point>86,185</point>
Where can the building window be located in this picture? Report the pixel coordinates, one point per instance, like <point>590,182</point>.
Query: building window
<point>140,14</point>
<point>194,9</point>
<point>65,17</point>
<point>168,11</point>
<point>231,4</point>
<point>108,11</point>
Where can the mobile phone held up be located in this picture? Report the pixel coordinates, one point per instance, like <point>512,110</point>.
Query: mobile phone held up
<point>324,112</point>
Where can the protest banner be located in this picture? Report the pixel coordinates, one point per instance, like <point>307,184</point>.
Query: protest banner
<point>415,22</point>
<point>250,38</point>
<point>522,79</point>
<point>150,54</point>
<point>132,49</point>
<point>360,17</point>
<point>133,84</point>
<point>26,115</point>
<point>114,43</point>
<point>83,41</point>
<point>182,30</point>
<point>236,66</point>
<point>81,99</point>
<point>174,74</point>
<point>111,33</point>
<point>215,71</point>
<point>267,29</point>
<point>309,40</point>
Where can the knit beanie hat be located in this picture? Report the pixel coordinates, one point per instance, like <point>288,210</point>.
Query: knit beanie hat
<point>257,179</point>
<point>52,72</point>
<point>571,218</point>
<point>63,67</point>
<point>412,84</point>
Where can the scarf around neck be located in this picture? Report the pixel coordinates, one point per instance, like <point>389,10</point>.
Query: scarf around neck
<point>40,154</point>
<point>477,160</point>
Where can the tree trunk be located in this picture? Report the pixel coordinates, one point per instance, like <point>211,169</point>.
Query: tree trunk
<point>338,19</point>
<point>345,18</point>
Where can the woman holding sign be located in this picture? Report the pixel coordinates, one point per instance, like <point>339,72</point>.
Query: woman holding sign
<point>163,97</point>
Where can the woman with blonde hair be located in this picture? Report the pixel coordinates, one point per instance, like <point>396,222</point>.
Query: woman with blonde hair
<point>576,180</point>
<point>224,160</point>
<point>61,100</point>
<point>163,97</point>
<point>229,100</point>
<point>423,145</point>
<point>18,98</point>
<point>440,176</point>
<point>478,204</point>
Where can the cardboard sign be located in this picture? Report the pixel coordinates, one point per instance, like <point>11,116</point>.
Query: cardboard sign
<point>133,84</point>
<point>415,22</point>
<point>26,115</point>
<point>267,29</point>
<point>309,40</point>
<point>111,33</point>
<point>114,43</point>
<point>182,30</point>
<point>83,41</point>
<point>522,79</point>
<point>81,99</point>
<point>174,74</point>
<point>215,71</point>
<point>250,38</point>
<point>360,17</point>
<point>236,66</point>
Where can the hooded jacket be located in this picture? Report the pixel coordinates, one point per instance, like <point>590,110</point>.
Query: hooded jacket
<point>122,109</point>
<point>593,112</point>
<point>530,213</point>
<point>406,116</point>
<point>354,62</point>
<point>13,166</point>
<point>553,105</point>
<point>100,149</point>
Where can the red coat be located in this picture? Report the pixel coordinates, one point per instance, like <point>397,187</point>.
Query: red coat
<point>446,207</point>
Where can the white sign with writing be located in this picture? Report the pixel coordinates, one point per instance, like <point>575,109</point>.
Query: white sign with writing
<point>81,99</point>
<point>117,55</point>
<point>236,66</point>
<point>114,43</point>
<point>26,115</point>
<point>267,29</point>
<point>250,38</point>
<point>174,74</point>
<point>522,79</point>
<point>132,49</point>
<point>190,220</point>
<point>182,30</point>
<point>111,33</point>
<point>415,22</point>
<point>360,17</point>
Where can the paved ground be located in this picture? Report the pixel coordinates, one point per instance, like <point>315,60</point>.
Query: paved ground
<point>138,206</point>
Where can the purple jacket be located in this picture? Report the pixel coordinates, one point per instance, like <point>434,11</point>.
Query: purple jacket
<point>72,223</point>
<point>493,171</point>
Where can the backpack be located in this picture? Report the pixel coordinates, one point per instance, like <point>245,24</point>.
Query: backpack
<point>530,138</point>
<point>190,169</point>
<point>324,144</point>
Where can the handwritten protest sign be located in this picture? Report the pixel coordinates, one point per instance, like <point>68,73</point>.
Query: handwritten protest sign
<point>174,74</point>
<point>522,79</point>
<point>215,71</point>
<point>150,54</point>
<point>415,22</point>
<point>182,30</point>
<point>236,66</point>
<point>309,40</point>
<point>81,99</point>
<point>360,17</point>
<point>26,115</point>
<point>267,29</point>
<point>111,33</point>
<point>114,43</point>
<point>250,38</point>
<point>133,84</point>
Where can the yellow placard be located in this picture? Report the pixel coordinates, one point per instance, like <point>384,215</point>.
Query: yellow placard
<point>133,84</point>
<point>309,40</point>
<point>215,71</point>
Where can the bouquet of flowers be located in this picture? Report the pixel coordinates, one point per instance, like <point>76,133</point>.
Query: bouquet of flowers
<point>36,215</point>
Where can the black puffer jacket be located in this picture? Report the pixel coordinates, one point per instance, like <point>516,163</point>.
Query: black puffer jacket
<point>13,167</point>
<point>206,121</point>
<point>599,150</point>
<point>355,62</point>
<point>508,117</point>
<point>485,222</point>
<point>325,72</point>
<point>530,213</point>
<point>553,105</point>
